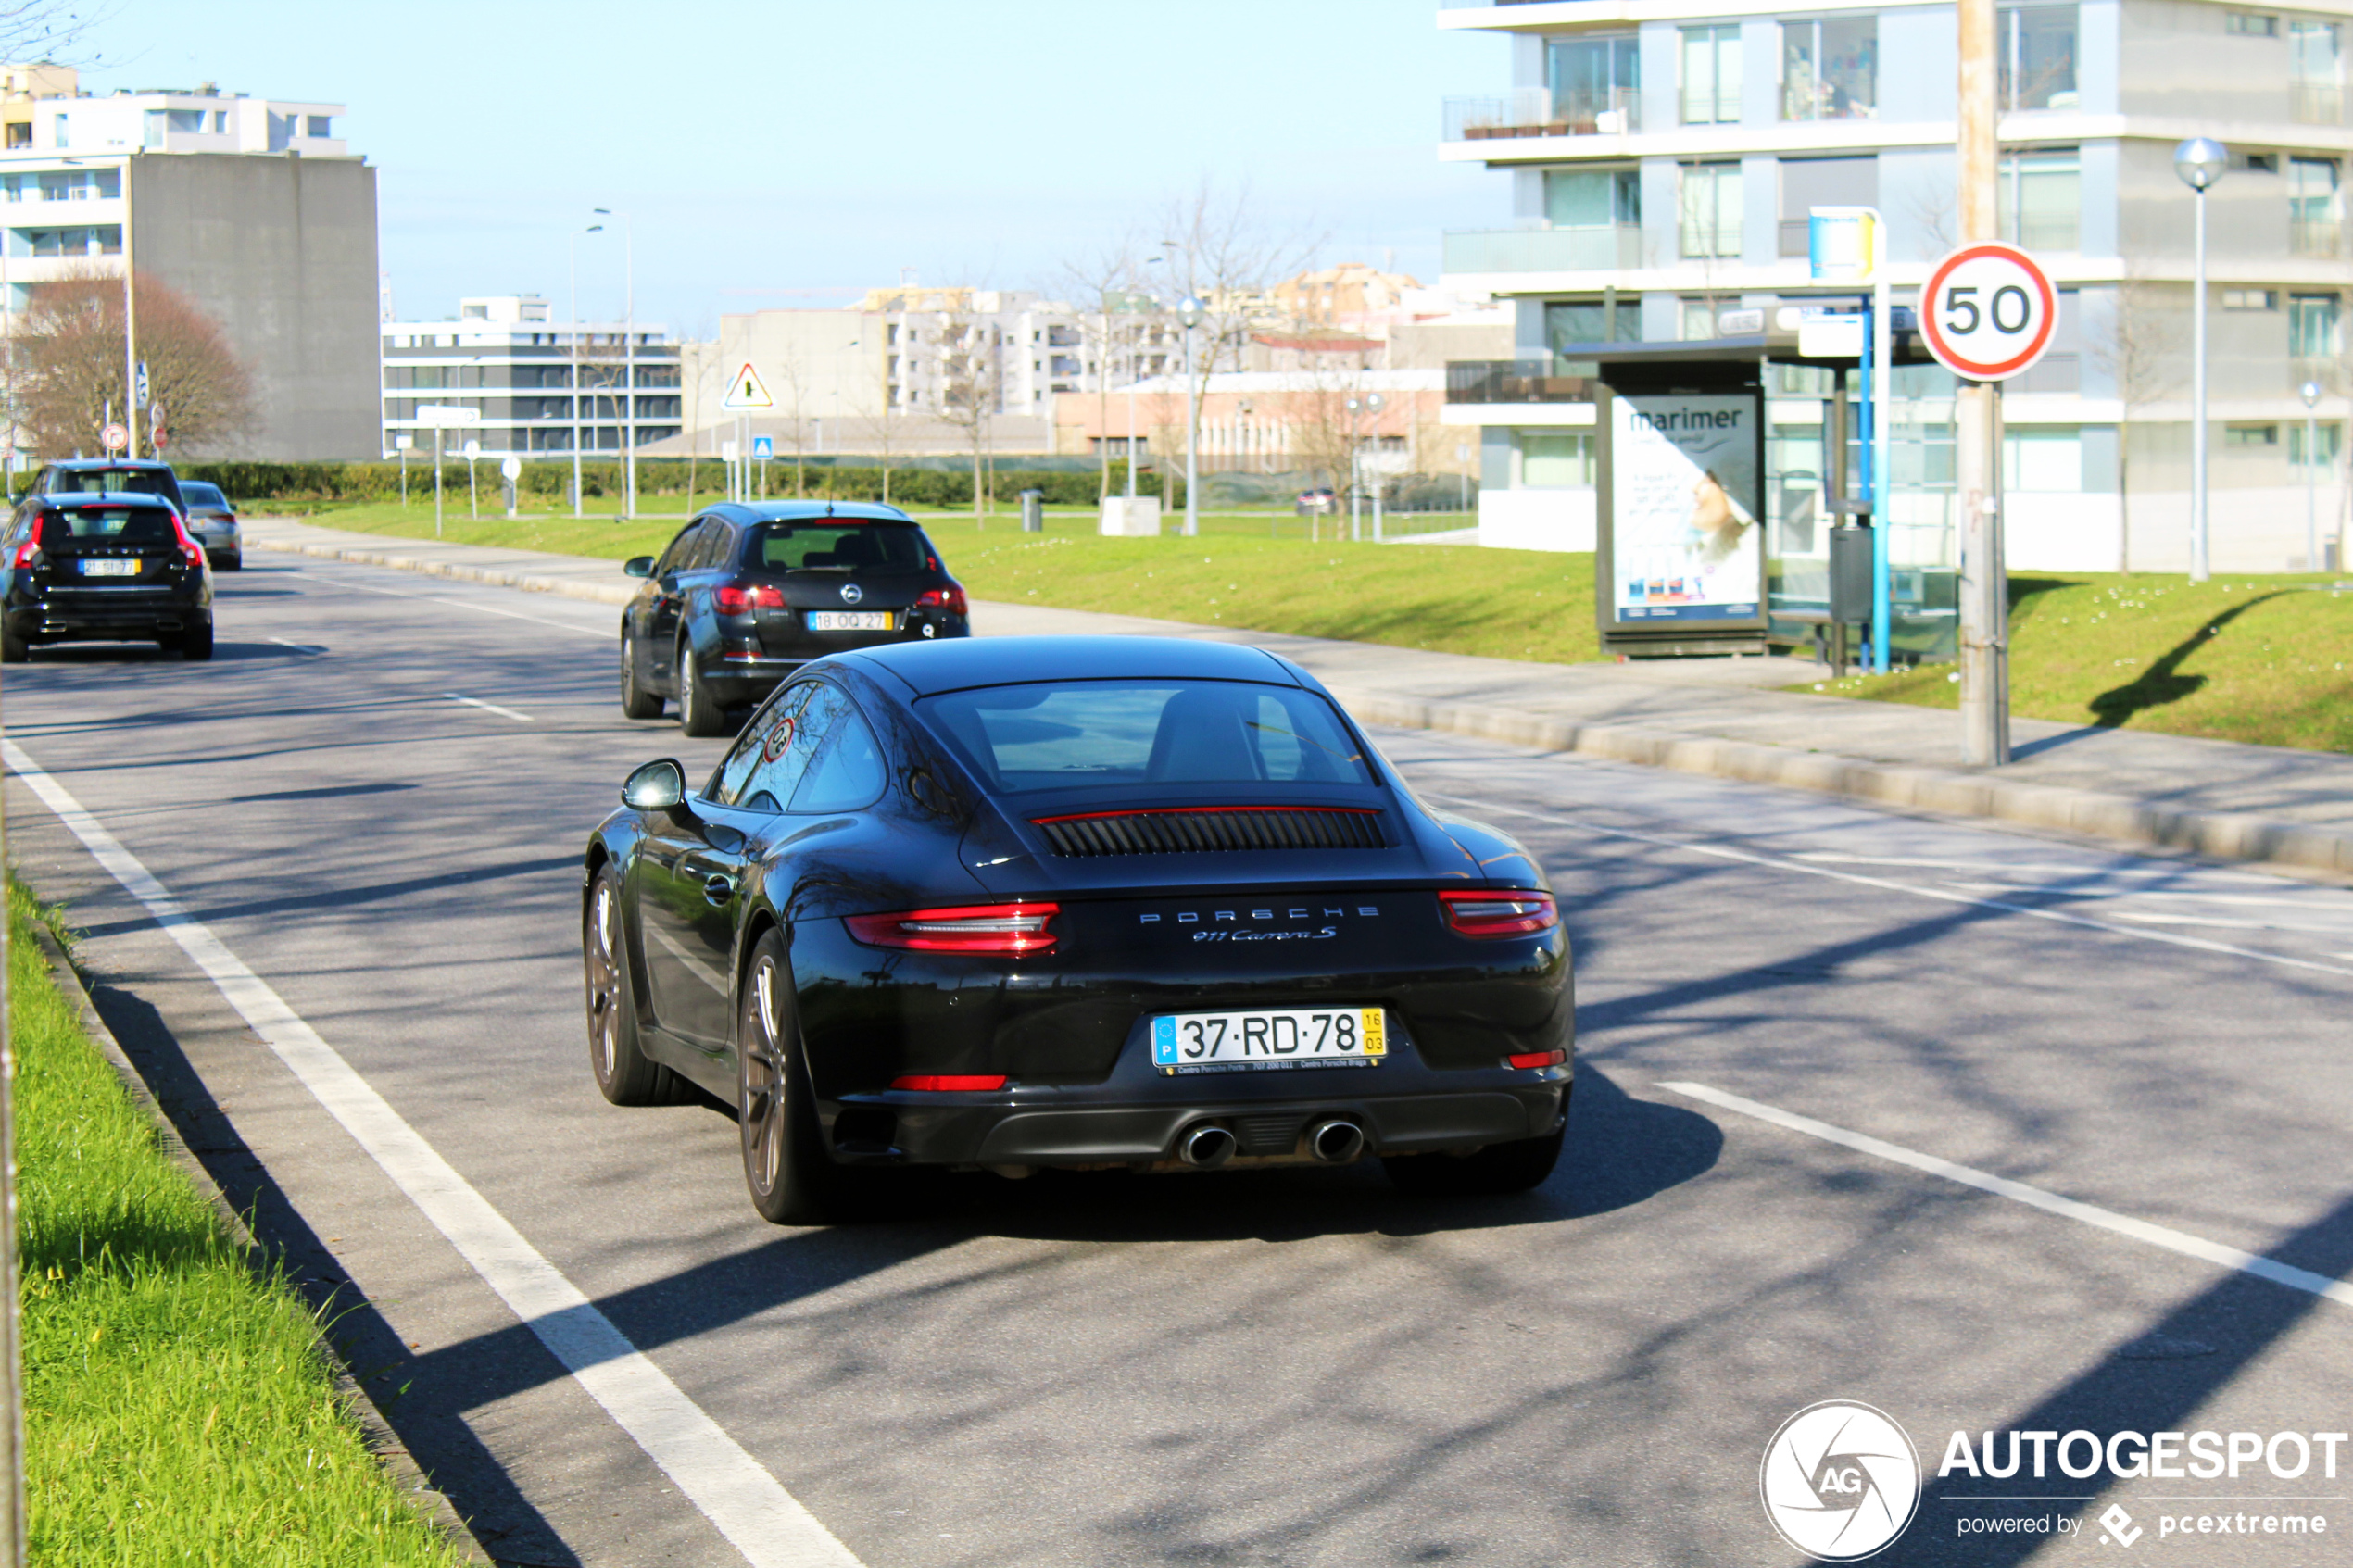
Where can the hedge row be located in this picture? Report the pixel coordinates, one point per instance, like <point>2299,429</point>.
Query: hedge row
<point>377,481</point>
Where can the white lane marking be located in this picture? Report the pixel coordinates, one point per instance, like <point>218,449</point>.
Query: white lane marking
<point>1937,894</point>
<point>490,707</point>
<point>298,648</point>
<point>2018,868</point>
<point>2316,903</point>
<point>2154,917</point>
<point>2188,1246</point>
<point>748,1505</point>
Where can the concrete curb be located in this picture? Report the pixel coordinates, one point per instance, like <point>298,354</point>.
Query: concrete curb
<point>2091,813</point>
<point>375,1432</point>
<point>619,593</point>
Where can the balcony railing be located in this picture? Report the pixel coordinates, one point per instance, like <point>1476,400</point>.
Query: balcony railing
<point>2311,102</point>
<point>1537,111</point>
<point>2314,236</point>
<point>2053,372</point>
<point>1513,380</point>
<point>1619,248</point>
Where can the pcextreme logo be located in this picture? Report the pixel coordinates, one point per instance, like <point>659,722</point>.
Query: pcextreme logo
<point>1839,1480</point>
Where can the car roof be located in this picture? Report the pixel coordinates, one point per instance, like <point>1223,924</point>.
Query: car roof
<point>931,667</point>
<point>742,512</point>
<point>82,465</point>
<point>110,498</point>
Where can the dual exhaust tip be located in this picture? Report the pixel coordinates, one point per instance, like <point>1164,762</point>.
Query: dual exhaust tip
<point>1333,1141</point>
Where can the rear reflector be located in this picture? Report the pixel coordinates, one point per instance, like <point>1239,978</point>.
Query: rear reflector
<point>1498,914</point>
<point>1538,1058</point>
<point>978,928</point>
<point>950,1083</point>
<point>951,598</point>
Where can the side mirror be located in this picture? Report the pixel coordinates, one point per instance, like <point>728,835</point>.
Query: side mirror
<point>656,786</point>
<point>639,566</point>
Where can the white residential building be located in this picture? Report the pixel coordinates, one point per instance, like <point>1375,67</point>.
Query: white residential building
<point>540,387</point>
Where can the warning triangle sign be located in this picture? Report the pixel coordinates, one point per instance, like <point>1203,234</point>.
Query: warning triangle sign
<point>748,391</point>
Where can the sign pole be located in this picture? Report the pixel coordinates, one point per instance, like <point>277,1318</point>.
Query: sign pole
<point>436,482</point>
<point>1977,450</point>
<point>1882,373</point>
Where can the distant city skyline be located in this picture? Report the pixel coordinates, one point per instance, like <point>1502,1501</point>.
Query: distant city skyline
<point>771,164</point>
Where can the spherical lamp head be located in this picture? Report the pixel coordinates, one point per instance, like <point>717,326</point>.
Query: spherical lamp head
<point>2200,161</point>
<point>1373,402</point>
<point>1189,310</point>
<point>2310,390</point>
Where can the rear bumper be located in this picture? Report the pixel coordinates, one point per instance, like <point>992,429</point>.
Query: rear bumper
<point>736,681</point>
<point>132,615</point>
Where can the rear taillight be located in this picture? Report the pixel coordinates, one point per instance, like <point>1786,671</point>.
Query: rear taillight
<point>31,548</point>
<point>973,928</point>
<point>951,598</point>
<point>1498,914</point>
<point>948,1083</point>
<point>190,551</point>
<point>737,599</point>
<point>1537,1058</point>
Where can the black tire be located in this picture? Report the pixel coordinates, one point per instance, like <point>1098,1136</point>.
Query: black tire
<point>14,649</point>
<point>196,644</point>
<point>786,1171</point>
<point>635,701</point>
<point>235,562</point>
<point>1499,1168</point>
<point>623,1074</point>
<point>697,715</point>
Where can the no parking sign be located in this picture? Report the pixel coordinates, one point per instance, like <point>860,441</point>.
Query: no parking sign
<point>1988,311</point>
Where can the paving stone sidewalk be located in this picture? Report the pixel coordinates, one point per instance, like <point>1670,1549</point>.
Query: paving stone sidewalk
<point>1712,716</point>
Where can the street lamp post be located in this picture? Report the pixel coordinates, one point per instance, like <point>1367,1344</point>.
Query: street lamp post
<point>2311,392</point>
<point>2199,161</point>
<point>1355,473</point>
<point>1372,402</point>
<point>576,496</point>
<point>628,361</point>
<point>1192,310</point>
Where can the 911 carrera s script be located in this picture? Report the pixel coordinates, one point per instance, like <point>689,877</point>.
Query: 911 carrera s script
<point>1259,1042</point>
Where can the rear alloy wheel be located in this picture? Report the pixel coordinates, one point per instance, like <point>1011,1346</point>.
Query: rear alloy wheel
<point>697,715</point>
<point>791,1180</point>
<point>623,1074</point>
<point>196,643</point>
<point>635,701</point>
<point>1499,1168</point>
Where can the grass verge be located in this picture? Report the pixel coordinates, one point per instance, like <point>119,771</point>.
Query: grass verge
<point>2266,660</point>
<point>178,1409</point>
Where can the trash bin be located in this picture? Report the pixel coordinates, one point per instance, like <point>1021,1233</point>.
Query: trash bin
<point>1033,511</point>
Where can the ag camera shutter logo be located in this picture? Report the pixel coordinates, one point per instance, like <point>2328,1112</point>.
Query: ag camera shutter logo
<point>1840,1481</point>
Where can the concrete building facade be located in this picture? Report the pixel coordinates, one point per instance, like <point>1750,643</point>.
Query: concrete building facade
<point>1660,158</point>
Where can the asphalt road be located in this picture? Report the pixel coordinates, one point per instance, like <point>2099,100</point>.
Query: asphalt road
<point>1294,1368</point>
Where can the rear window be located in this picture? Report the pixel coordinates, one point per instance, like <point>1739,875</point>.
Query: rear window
<point>835,547</point>
<point>111,482</point>
<point>1062,734</point>
<point>199,493</point>
<point>128,525</point>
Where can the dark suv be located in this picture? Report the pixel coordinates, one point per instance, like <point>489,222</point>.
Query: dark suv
<point>119,567</point>
<point>746,594</point>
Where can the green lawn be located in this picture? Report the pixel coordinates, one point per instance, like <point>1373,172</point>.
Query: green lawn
<point>2259,660</point>
<point>178,1409</point>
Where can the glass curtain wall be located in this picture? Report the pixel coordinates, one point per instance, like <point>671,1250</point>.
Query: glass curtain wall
<point>1710,219</point>
<point>2315,213</point>
<point>2042,199</point>
<point>1830,69</point>
<point>1711,87</point>
<point>2037,48</point>
<point>1596,83</point>
<point>2316,79</point>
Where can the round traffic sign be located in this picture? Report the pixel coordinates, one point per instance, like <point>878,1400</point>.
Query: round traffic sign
<point>161,439</point>
<point>114,437</point>
<point>1988,311</point>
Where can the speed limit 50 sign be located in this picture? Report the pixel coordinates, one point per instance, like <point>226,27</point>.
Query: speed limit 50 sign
<point>1988,312</point>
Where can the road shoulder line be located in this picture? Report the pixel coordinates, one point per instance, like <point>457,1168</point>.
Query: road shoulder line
<point>747,1504</point>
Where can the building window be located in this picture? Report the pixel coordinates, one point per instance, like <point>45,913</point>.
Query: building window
<point>1555,459</point>
<point>1830,69</point>
<point>2256,163</point>
<point>2315,213</point>
<point>188,120</point>
<point>2251,435</point>
<point>1807,183</point>
<point>2326,446</point>
<point>1711,209</point>
<point>20,133</point>
<point>1593,198</point>
<point>1568,321</point>
<point>2043,460</point>
<point>1712,75</point>
<point>2250,24</point>
<point>154,123</point>
<point>2316,80</point>
<point>63,139</point>
<point>2312,330</point>
<point>2042,199</point>
<point>1695,320</point>
<point>2250,299</point>
<point>2037,48</point>
<point>1597,83</point>
<point>319,125</point>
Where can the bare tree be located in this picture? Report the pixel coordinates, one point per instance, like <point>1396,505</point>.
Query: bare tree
<point>971,377</point>
<point>1101,286</point>
<point>2141,353</point>
<point>73,370</point>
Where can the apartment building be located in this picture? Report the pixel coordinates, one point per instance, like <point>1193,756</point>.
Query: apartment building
<point>538,386</point>
<point>1660,158</point>
<point>252,208</point>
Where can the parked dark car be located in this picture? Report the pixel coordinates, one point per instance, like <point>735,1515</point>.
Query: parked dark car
<point>1092,903</point>
<point>213,520</point>
<point>746,594</point>
<point>110,476</point>
<point>119,567</point>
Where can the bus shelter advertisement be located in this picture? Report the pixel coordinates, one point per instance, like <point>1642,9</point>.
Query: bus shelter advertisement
<point>1685,544</point>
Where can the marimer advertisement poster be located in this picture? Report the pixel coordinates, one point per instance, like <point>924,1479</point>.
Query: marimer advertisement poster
<point>1685,543</point>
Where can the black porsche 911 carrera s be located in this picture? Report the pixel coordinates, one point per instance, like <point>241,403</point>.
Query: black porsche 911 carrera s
<point>1088,903</point>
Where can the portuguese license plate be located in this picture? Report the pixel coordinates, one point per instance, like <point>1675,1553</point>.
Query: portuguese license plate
<point>849,621</point>
<point>1268,1042</point>
<point>110,568</point>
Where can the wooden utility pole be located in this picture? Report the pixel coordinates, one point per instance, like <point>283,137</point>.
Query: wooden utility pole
<point>1977,435</point>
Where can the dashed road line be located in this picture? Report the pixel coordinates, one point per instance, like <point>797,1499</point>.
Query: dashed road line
<point>490,707</point>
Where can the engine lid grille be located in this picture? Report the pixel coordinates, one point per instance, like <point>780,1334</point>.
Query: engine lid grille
<point>1193,829</point>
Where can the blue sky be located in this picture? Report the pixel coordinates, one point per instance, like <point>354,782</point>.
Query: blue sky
<point>778,155</point>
